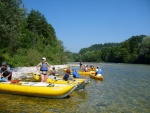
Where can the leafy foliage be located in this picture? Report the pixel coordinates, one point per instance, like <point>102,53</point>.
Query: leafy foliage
<point>134,50</point>
<point>144,52</point>
<point>26,38</point>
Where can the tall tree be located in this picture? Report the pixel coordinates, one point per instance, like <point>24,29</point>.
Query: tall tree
<point>37,24</point>
<point>22,36</point>
<point>11,17</point>
<point>144,54</point>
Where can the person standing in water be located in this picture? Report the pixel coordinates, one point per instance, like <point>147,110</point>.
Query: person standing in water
<point>43,67</point>
<point>80,65</point>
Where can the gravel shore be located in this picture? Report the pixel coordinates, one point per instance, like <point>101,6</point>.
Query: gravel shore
<point>26,72</point>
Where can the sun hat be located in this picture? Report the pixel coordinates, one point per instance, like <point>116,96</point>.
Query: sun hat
<point>43,58</point>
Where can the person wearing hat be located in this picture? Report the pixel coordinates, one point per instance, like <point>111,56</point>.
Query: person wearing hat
<point>5,73</point>
<point>43,67</point>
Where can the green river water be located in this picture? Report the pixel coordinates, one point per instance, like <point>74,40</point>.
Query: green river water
<point>125,89</point>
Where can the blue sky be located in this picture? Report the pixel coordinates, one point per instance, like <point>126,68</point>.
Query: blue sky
<point>82,23</point>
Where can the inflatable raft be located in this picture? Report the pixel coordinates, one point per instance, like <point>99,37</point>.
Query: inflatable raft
<point>37,89</point>
<point>96,77</point>
<point>56,80</point>
<point>86,73</point>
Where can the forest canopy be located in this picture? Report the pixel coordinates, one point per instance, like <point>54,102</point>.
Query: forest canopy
<point>26,38</point>
<point>134,50</point>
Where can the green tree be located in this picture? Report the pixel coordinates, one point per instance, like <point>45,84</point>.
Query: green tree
<point>11,17</point>
<point>37,24</point>
<point>114,55</point>
<point>144,54</point>
<point>105,54</point>
<point>125,55</point>
<point>133,50</point>
<point>26,38</point>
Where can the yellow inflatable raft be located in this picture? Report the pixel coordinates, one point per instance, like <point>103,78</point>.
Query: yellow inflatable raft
<point>56,80</point>
<point>92,69</point>
<point>38,89</point>
<point>86,73</point>
<point>92,75</point>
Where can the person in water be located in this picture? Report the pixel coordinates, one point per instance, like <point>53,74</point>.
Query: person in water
<point>81,65</point>
<point>43,67</point>
<point>5,73</point>
<point>75,73</point>
<point>68,76</point>
<point>98,71</point>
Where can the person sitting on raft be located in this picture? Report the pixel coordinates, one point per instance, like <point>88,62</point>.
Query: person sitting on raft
<point>98,71</point>
<point>54,72</point>
<point>5,73</point>
<point>86,68</point>
<point>92,67</point>
<point>75,73</point>
<point>68,75</point>
<point>43,67</point>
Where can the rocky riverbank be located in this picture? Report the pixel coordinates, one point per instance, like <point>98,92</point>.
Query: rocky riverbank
<point>26,72</point>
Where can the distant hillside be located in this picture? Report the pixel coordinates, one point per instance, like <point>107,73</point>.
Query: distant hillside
<point>134,50</point>
<point>96,47</point>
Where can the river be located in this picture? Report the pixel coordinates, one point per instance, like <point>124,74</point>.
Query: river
<point>125,89</point>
